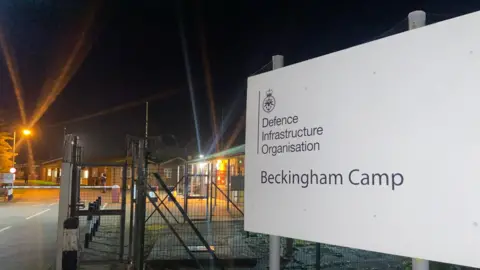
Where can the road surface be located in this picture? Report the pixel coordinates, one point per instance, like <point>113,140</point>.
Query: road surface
<point>28,231</point>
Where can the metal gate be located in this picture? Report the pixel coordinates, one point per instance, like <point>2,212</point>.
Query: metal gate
<point>106,213</point>
<point>194,222</point>
<point>100,209</point>
<point>103,219</point>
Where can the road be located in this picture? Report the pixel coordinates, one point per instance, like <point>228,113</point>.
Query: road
<point>28,231</point>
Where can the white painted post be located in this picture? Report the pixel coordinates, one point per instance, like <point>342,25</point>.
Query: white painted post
<point>419,264</point>
<point>70,244</point>
<point>417,19</point>
<point>63,207</point>
<point>274,243</point>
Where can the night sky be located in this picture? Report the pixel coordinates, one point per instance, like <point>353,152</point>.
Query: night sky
<point>134,51</point>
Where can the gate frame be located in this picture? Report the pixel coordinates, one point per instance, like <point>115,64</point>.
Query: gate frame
<point>112,212</point>
<point>137,148</point>
<point>69,201</point>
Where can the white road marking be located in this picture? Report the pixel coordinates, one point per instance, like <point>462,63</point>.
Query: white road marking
<point>37,214</point>
<point>103,207</point>
<point>37,205</point>
<point>6,228</point>
<point>52,204</point>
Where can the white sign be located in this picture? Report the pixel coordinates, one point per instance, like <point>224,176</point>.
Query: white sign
<point>7,177</point>
<point>376,147</point>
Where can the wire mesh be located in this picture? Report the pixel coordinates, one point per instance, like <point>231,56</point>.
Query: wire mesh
<point>100,234</point>
<point>214,203</point>
<point>104,245</point>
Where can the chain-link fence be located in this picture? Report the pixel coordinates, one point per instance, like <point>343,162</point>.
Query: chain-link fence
<point>194,216</point>
<point>205,225</point>
<point>103,216</point>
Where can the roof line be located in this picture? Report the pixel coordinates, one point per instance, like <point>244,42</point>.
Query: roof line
<point>52,160</point>
<point>233,151</point>
<point>163,162</point>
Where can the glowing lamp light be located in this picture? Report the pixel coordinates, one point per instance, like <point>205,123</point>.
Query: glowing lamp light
<point>13,170</point>
<point>27,132</point>
<point>201,156</point>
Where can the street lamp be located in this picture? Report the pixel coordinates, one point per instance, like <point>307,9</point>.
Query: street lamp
<point>26,132</point>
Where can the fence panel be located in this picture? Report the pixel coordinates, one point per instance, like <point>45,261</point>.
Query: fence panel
<point>217,212</point>
<point>100,232</point>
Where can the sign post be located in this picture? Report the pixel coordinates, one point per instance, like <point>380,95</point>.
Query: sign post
<point>274,240</point>
<point>342,149</point>
<point>417,19</point>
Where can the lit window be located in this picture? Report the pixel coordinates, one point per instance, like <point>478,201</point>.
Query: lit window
<point>54,173</point>
<point>167,172</point>
<point>49,172</point>
<point>59,172</point>
<point>85,174</point>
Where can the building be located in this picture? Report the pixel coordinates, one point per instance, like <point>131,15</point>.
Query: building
<point>51,170</point>
<point>90,173</point>
<point>225,169</point>
<point>170,170</point>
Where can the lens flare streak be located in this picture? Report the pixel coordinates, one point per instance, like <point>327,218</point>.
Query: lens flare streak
<point>17,87</point>
<point>12,70</point>
<point>208,80</point>
<point>73,62</point>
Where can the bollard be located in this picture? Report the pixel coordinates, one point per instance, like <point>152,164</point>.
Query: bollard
<point>94,223</point>
<point>92,227</point>
<point>70,244</point>
<point>86,240</point>
<point>88,234</point>
<point>97,217</point>
<point>99,208</point>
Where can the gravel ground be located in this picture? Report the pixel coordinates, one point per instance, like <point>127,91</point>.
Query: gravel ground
<point>332,257</point>
<point>230,241</point>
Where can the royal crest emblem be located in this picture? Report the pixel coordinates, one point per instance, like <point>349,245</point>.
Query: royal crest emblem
<point>269,102</point>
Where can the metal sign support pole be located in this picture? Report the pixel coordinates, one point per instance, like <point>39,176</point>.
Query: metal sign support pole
<point>274,243</point>
<point>418,19</point>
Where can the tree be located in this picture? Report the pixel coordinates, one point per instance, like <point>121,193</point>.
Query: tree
<point>6,153</point>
